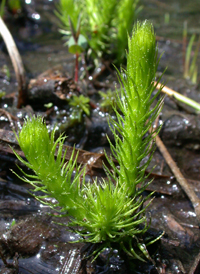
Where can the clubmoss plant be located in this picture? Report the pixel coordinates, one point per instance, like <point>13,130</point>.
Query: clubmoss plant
<point>127,12</point>
<point>109,213</point>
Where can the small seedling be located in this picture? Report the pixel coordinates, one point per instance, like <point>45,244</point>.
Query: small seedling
<point>81,105</point>
<point>110,213</point>
<point>5,70</point>
<point>69,13</point>
<point>76,42</point>
<point>108,100</point>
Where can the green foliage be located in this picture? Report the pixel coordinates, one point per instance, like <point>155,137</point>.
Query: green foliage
<point>6,71</point>
<point>100,15</point>
<point>49,105</point>
<point>112,217</point>
<point>13,223</point>
<point>2,94</point>
<point>127,11</point>
<point>2,6</point>
<point>15,5</point>
<point>104,24</point>
<point>69,9</point>
<point>110,212</point>
<point>76,42</point>
<point>190,64</point>
<point>191,68</point>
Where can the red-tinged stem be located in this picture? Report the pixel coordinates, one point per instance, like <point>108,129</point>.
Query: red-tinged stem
<point>76,68</point>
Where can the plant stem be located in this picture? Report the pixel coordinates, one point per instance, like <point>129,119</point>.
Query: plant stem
<point>76,69</point>
<point>184,45</point>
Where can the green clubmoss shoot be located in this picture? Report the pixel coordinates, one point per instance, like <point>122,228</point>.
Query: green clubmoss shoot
<point>112,211</point>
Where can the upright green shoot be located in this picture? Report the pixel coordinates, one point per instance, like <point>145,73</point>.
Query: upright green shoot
<point>134,102</point>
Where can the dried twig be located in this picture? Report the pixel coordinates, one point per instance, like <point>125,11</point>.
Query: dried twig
<point>179,97</point>
<point>16,61</point>
<point>179,177</point>
<point>9,116</point>
<point>196,265</point>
